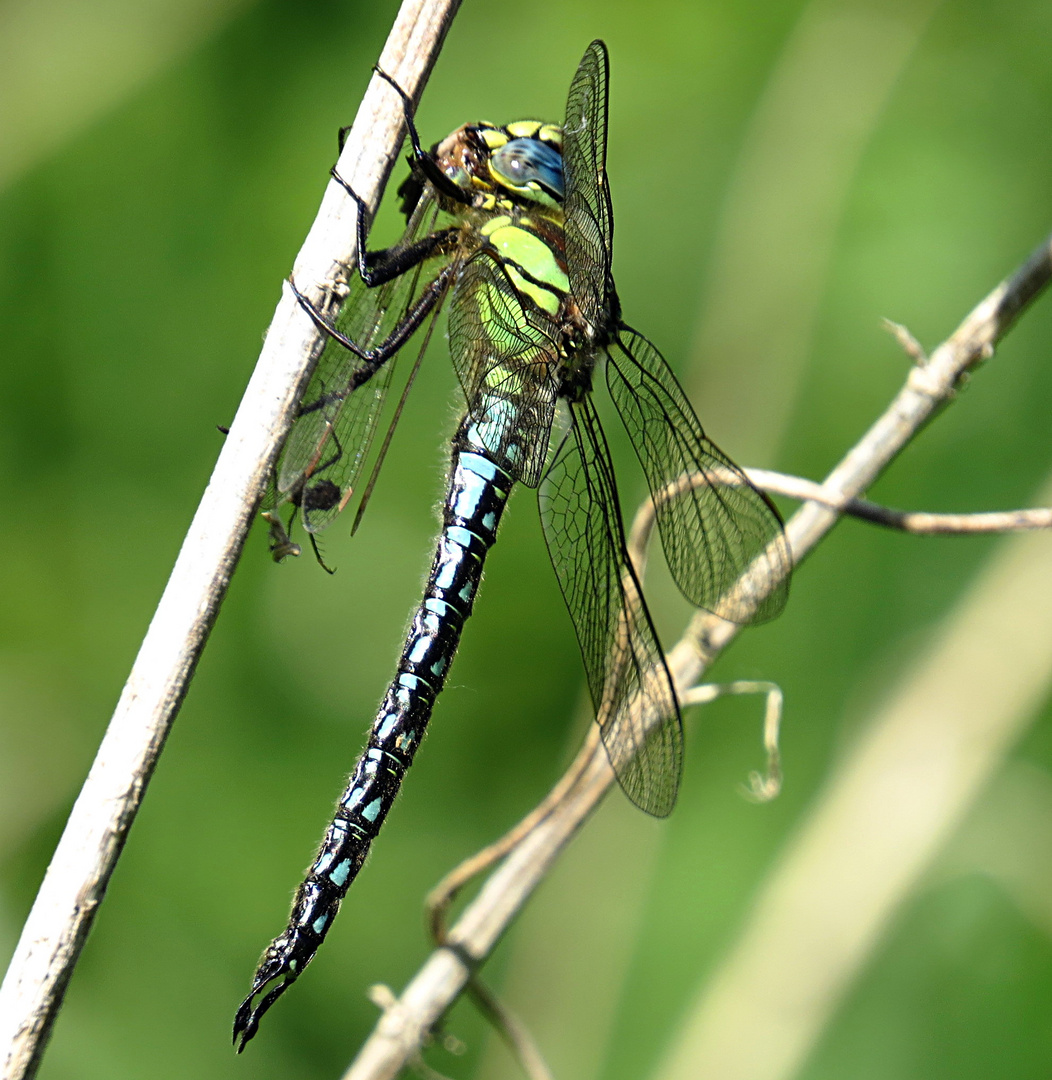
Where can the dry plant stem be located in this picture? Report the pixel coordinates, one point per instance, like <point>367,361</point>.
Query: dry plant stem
<point>505,1022</point>
<point>910,345</point>
<point>510,1028</point>
<point>383,998</point>
<point>928,387</point>
<point>401,1030</point>
<point>97,828</point>
<point>763,788</point>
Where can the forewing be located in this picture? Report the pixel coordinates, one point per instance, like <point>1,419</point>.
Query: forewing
<point>635,703</point>
<point>326,450</point>
<point>506,360</point>
<point>589,222</point>
<point>714,524</point>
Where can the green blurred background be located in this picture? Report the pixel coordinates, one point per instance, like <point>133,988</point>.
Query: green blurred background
<point>783,174</point>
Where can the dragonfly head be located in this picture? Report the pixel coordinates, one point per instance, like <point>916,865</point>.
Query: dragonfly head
<point>518,164</point>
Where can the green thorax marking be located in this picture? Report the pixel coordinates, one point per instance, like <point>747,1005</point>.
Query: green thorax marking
<point>531,259</point>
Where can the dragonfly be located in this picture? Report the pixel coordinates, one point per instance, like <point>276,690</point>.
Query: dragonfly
<point>513,226</point>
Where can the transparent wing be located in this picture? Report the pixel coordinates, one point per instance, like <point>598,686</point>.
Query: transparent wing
<point>635,703</point>
<point>322,461</point>
<point>588,213</point>
<point>714,524</point>
<point>506,361</point>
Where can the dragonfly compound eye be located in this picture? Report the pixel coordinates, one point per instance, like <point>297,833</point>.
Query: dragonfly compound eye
<point>529,163</point>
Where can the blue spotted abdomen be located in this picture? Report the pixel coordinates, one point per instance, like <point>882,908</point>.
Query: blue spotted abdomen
<point>478,493</point>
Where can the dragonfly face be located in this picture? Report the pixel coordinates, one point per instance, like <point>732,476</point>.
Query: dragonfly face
<point>501,167</point>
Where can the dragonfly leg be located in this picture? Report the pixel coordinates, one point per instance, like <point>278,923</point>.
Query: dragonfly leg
<point>376,357</point>
<point>378,267</point>
<point>431,172</point>
<point>281,546</point>
<point>442,182</point>
<point>421,158</point>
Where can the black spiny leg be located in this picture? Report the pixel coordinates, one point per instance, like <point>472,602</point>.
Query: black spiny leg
<point>376,357</point>
<point>376,268</point>
<point>421,158</point>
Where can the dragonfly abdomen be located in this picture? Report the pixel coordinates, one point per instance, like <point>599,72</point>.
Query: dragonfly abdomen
<point>478,492</point>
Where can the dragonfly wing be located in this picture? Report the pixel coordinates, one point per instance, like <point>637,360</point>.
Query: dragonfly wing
<point>326,450</point>
<point>630,685</point>
<point>589,219</point>
<point>506,360</point>
<point>717,525</point>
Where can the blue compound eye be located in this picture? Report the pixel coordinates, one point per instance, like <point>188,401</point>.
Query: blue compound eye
<point>523,162</point>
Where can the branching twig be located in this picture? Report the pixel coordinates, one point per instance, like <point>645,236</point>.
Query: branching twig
<point>435,987</point>
<point>763,787</point>
<point>918,522</point>
<point>911,521</point>
<point>910,345</point>
<point>109,800</point>
<point>511,1029</point>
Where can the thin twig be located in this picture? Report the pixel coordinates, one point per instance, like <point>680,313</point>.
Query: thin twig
<point>444,975</point>
<point>80,869</point>
<point>918,522</point>
<point>926,389</point>
<point>383,998</point>
<point>511,1029</point>
<point>911,521</point>
<point>763,787</point>
<point>514,1033</point>
<point>910,345</point>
